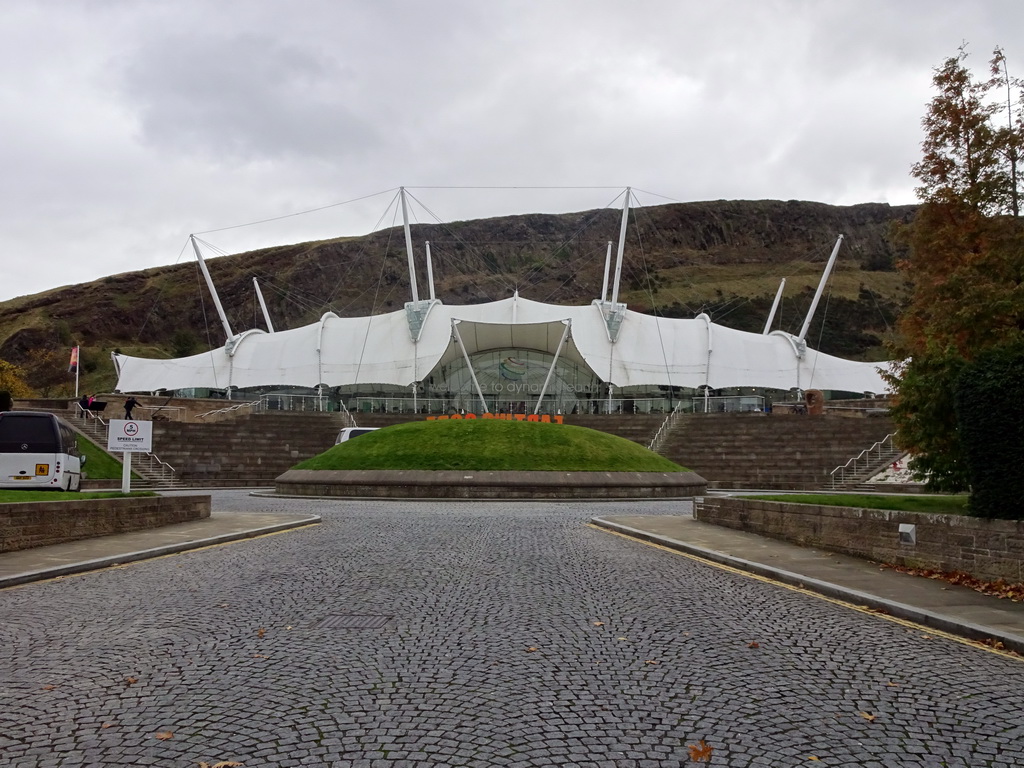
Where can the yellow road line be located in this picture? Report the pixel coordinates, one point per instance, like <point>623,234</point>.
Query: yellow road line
<point>118,566</point>
<point>811,593</point>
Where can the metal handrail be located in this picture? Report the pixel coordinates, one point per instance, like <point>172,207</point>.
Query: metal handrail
<point>348,415</point>
<point>176,410</point>
<point>90,414</point>
<point>666,426</point>
<point>162,463</point>
<point>868,454</point>
<point>228,408</point>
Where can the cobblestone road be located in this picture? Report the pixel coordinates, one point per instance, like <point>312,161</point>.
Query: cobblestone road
<point>514,636</point>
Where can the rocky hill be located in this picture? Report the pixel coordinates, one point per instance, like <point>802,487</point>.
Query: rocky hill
<point>722,257</point>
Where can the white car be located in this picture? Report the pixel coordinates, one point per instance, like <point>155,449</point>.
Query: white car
<point>350,432</point>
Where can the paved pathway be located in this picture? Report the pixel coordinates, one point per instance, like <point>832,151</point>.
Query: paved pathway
<point>477,634</point>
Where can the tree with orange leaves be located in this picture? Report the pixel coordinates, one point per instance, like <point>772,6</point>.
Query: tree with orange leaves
<point>965,262</point>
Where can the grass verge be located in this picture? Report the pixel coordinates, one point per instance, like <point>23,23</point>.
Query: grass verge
<point>484,445</point>
<point>11,497</point>
<point>939,505</point>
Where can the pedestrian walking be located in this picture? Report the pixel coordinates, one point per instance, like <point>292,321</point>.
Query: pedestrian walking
<point>130,403</point>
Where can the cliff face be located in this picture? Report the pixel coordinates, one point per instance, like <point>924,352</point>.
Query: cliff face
<point>722,257</point>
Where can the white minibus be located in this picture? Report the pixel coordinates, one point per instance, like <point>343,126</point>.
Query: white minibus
<point>38,451</point>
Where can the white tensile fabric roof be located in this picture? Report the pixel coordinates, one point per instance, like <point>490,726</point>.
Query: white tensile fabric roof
<point>379,350</point>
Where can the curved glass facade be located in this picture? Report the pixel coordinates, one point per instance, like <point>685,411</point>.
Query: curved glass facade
<point>512,380</point>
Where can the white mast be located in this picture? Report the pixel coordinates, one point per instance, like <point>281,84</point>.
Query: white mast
<point>213,290</point>
<point>430,272</point>
<point>775,306</point>
<point>469,365</point>
<point>607,267</point>
<point>622,245</point>
<point>554,362</point>
<point>263,305</point>
<point>821,288</point>
<point>408,248</point>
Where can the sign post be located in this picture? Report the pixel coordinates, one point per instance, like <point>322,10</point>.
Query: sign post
<point>129,437</point>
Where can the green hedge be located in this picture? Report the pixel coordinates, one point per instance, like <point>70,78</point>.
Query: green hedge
<point>990,416</point>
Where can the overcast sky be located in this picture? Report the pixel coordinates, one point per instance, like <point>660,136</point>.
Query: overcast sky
<point>127,125</point>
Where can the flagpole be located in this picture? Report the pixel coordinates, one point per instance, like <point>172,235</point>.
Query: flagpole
<point>78,366</point>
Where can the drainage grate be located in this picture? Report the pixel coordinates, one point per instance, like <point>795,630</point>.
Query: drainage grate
<point>353,622</point>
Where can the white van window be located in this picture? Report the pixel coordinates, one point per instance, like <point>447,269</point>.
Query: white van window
<point>350,432</point>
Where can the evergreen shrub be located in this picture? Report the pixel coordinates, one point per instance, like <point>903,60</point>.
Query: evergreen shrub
<point>989,405</point>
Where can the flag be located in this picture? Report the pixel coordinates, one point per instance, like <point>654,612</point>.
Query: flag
<point>73,367</point>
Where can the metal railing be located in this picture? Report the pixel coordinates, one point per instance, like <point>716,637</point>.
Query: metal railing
<point>573,405</point>
<point>176,412</point>
<point>161,472</point>
<point>864,461</point>
<point>663,431</point>
<point>228,409</point>
<point>306,403</point>
<point>728,404</point>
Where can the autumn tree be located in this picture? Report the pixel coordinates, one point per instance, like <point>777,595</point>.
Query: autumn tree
<point>12,380</point>
<point>966,259</point>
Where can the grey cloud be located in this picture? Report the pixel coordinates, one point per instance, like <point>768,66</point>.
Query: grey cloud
<point>246,98</point>
<point>134,123</point>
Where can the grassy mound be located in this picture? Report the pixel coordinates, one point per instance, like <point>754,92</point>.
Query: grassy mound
<point>484,445</point>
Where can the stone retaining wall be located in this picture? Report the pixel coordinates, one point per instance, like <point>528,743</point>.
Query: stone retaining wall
<point>987,549</point>
<point>38,523</point>
<point>424,484</point>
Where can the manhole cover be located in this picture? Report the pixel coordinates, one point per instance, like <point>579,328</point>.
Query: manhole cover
<point>353,622</point>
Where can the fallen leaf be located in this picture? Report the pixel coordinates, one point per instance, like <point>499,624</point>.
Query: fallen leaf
<point>259,656</point>
<point>753,644</point>
<point>224,605</point>
<point>49,687</point>
<point>531,649</point>
<point>650,661</point>
<point>288,627</point>
<point>131,680</point>
<point>989,642</point>
<point>812,757</point>
<point>868,716</point>
<point>597,623</point>
<point>622,638</point>
<point>892,685</point>
<point>226,764</point>
<point>926,637</point>
<point>164,735</point>
<point>700,752</point>
<point>1013,591</point>
<point>107,725</point>
<point>260,633</point>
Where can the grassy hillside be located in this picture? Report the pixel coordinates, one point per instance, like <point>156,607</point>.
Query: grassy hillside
<point>723,257</point>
